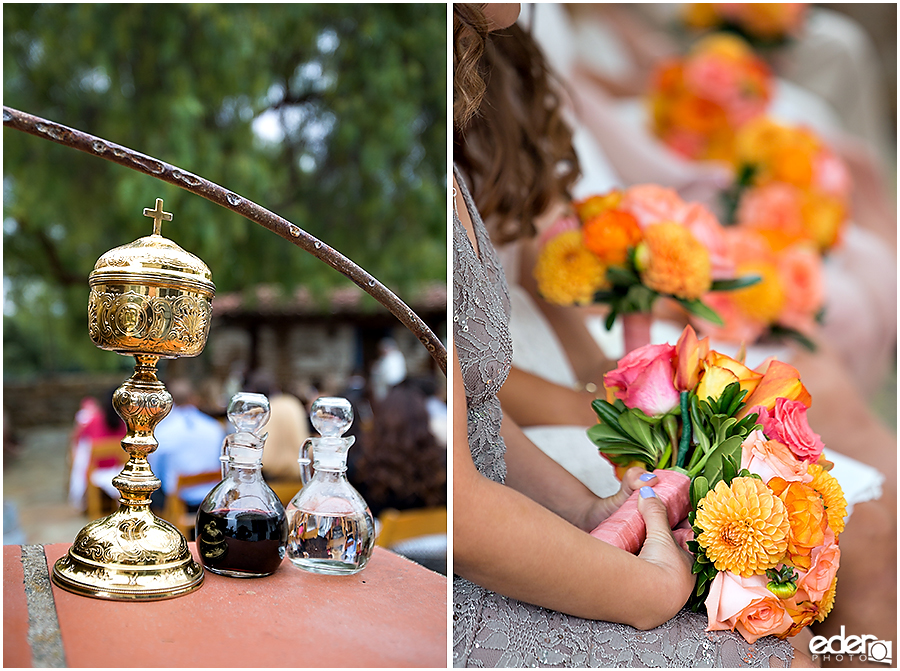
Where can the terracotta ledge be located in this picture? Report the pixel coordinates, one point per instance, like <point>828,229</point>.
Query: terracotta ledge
<point>392,614</point>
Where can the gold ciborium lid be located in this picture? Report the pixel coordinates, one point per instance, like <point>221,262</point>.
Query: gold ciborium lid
<point>150,297</point>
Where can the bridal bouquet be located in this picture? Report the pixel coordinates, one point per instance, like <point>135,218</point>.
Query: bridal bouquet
<point>789,299</point>
<point>629,247</point>
<point>765,513</point>
<point>788,180</point>
<point>763,25</point>
<point>699,102</point>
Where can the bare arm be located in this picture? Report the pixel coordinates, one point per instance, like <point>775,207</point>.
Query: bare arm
<point>533,401</point>
<point>509,543</point>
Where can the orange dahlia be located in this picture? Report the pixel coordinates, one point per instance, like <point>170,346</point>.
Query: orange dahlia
<point>806,512</point>
<point>827,602</point>
<point>827,486</point>
<point>744,527</point>
<point>566,271</point>
<point>672,261</point>
<point>610,234</point>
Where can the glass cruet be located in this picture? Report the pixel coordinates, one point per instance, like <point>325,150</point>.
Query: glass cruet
<point>330,526</point>
<point>241,525</point>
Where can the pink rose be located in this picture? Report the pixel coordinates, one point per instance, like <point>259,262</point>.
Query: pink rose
<point>651,204</point>
<point>787,423</point>
<point>830,175</point>
<point>774,206</point>
<point>771,458</point>
<point>645,379</point>
<point>747,605</point>
<point>800,270</point>
<point>704,226</point>
<point>825,562</point>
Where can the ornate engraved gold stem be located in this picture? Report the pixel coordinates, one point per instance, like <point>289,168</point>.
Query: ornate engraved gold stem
<point>142,401</point>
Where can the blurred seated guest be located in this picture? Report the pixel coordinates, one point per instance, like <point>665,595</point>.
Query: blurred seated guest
<point>356,390</point>
<point>190,442</point>
<point>389,369</point>
<point>288,428</point>
<point>93,422</point>
<point>401,464</point>
<point>437,408</point>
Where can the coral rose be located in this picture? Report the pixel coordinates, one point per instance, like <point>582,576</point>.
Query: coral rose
<point>819,577</point>
<point>650,204</point>
<point>745,604</point>
<point>769,459</point>
<point>644,379</point>
<point>787,423</point>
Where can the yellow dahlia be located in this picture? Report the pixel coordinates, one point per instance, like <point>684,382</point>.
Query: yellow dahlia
<point>672,261</point>
<point>744,528</point>
<point>827,602</point>
<point>566,271</point>
<point>764,300</point>
<point>832,495</point>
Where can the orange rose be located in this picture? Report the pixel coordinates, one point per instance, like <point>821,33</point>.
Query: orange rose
<point>610,234</point>
<point>808,521</point>
<point>781,380</point>
<point>719,371</point>
<point>802,611</point>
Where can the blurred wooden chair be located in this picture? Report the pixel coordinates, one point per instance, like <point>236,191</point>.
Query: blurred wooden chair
<point>398,525</point>
<point>175,509</point>
<point>107,459</point>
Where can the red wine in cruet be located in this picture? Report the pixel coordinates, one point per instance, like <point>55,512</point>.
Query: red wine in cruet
<point>241,543</point>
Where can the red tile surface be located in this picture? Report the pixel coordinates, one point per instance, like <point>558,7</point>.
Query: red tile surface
<point>16,651</point>
<point>392,614</point>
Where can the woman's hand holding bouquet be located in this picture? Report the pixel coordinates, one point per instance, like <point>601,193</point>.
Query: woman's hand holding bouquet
<point>765,512</point>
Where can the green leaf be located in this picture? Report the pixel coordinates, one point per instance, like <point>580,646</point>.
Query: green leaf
<point>735,283</point>
<point>702,310</point>
<point>699,489</point>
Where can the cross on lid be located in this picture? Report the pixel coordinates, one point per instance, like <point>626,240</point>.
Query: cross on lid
<point>158,216</point>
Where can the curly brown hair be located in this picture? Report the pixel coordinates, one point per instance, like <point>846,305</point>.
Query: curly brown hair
<point>470,32</point>
<point>517,150</point>
<point>402,465</point>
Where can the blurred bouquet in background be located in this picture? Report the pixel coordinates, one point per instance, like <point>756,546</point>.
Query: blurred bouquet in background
<point>789,299</point>
<point>788,180</point>
<point>764,511</point>
<point>627,248</point>
<point>697,103</point>
<point>762,24</point>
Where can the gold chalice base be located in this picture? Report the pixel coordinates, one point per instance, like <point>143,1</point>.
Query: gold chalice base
<point>130,555</point>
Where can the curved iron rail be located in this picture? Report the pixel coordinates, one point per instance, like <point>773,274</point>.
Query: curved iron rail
<point>153,167</point>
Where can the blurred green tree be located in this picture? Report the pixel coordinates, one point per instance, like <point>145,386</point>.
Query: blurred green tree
<point>331,115</point>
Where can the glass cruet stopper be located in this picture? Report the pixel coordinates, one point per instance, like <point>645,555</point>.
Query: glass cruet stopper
<point>330,528</point>
<point>241,525</point>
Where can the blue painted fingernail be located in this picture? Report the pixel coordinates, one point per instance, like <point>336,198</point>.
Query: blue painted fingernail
<point>647,492</point>
<point>646,477</point>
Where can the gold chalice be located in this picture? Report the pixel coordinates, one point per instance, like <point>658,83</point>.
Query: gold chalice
<point>149,299</point>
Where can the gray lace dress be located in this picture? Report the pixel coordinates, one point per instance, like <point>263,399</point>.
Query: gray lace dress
<point>491,630</point>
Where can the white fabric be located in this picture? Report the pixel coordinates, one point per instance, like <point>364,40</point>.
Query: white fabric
<point>570,447</point>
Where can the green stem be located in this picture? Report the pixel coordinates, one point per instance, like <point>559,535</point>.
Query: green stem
<point>685,430</point>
